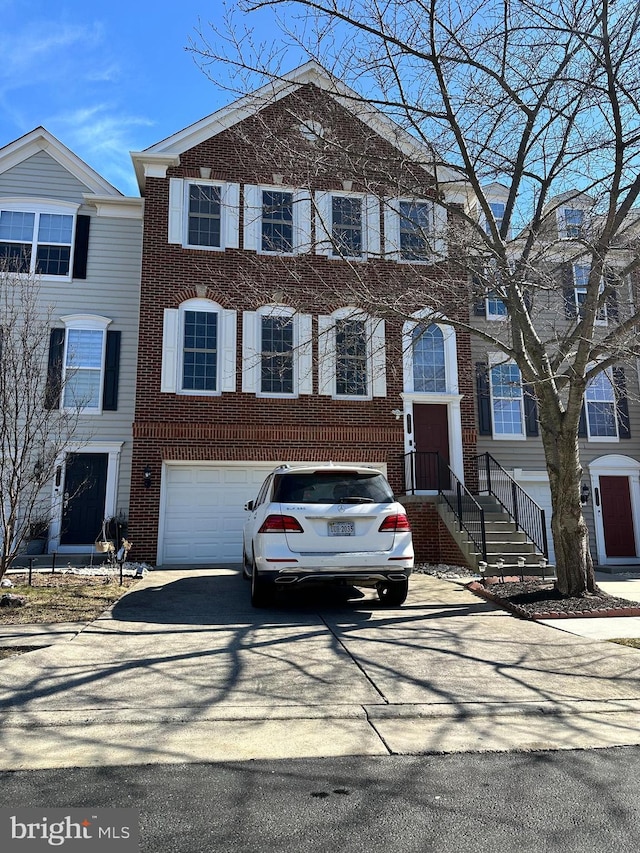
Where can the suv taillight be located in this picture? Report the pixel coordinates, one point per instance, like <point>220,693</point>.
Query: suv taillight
<point>280,524</point>
<point>395,523</point>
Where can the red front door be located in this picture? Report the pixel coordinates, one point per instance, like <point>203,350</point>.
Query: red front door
<point>431,436</point>
<point>617,517</point>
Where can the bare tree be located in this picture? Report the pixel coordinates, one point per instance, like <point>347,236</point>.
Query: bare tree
<point>538,99</point>
<point>34,429</point>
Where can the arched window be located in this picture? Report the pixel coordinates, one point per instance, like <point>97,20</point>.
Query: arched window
<point>429,364</point>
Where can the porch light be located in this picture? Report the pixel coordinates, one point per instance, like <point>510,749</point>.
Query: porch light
<point>147,476</point>
<point>397,413</point>
<point>584,494</point>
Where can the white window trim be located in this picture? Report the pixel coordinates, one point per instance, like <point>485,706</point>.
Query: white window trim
<point>562,221</point>
<point>178,225</point>
<point>324,225</point>
<point>252,351</point>
<point>44,205</point>
<point>491,315</point>
<point>496,359</point>
<point>172,348</point>
<point>376,357</point>
<point>437,235</point>
<point>84,322</point>
<point>450,356</point>
<point>252,233</point>
<point>603,439</point>
<point>600,321</point>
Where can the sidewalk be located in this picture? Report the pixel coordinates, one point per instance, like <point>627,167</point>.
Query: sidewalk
<point>183,669</point>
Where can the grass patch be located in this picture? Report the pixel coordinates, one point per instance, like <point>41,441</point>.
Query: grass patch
<point>62,598</point>
<point>632,642</point>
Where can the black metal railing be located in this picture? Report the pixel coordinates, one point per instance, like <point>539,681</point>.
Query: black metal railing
<point>523,510</point>
<point>429,471</point>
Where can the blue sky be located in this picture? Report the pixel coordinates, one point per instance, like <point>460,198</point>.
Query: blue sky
<point>104,77</point>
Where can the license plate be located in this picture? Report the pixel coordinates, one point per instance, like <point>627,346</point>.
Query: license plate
<point>341,528</point>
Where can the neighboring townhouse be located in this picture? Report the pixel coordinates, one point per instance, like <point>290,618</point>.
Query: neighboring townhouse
<point>276,232</point>
<point>609,433</point>
<point>83,240</point>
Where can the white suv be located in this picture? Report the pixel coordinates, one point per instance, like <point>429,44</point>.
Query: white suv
<point>327,524</point>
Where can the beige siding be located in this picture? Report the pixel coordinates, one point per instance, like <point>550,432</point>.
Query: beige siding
<point>40,176</point>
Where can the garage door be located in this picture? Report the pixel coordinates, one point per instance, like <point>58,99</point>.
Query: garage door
<point>203,511</point>
<point>539,491</point>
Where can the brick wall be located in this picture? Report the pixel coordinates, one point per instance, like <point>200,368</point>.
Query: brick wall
<point>432,541</point>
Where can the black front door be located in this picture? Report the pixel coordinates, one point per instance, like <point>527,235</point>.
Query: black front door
<point>85,486</point>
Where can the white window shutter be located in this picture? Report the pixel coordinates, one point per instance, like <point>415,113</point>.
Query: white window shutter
<point>176,211</point>
<point>326,356</point>
<point>169,376</point>
<point>371,222</point>
<point>392,228</point>
<point>378,359</point>
<point>323,223</point>
<point>305,354</point>
<point>252,217</point>
<point>231,215</point>
<point>302,221</point>
<point>250,355</point>
<point>440,230</point>
<point>228,359</point>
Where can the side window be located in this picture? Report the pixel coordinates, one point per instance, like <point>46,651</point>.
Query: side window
<point>346,227</point>
<point>351,355</point>
<point>429,367</point>
<point>507,405</point>
<point>264,491</point>
<point>39,242</point>
<point>581,280</point>
<point>571,222</point>
<point>204,214</point>
<point>351,358</point>
<point>277,222</point>
<point>84,365</point>
<point>204,226</point>
<point>276,355</point>
<point>600,402</point>
<point>200,351</point>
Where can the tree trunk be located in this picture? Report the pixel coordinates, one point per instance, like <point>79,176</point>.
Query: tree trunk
<point>574,565</point>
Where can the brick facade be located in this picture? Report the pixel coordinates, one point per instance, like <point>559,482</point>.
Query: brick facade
<point>241,426</point>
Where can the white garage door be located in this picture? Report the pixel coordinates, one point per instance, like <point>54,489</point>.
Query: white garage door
<point>538,490</point>
<point>203,511</point>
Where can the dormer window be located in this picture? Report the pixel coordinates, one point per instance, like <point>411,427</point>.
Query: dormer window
<point>497,210</point>
<point>572,222</point>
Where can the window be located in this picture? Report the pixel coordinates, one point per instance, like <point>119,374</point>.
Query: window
<point>347,225</point>
<point>495,307</point>
<point>600,402</point>
<point>430,363</point>
<point>277,222</point>
<point>416,227</point>
<point>429,367</point>
<point>198,349</point>
<point>507,407</point>
<point>351,358</point>
<point>572,222</point>
<point>351,353</point>
<point>204,214</point>
<point>84,365</point>
<point>276,369</point>
<point>37,242</point>
<point>497,209</point>
<point>581,280</point>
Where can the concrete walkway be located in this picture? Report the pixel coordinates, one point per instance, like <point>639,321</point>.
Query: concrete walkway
<point>183,669</point>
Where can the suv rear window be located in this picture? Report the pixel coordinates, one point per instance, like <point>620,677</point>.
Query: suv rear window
<point>318,487</point>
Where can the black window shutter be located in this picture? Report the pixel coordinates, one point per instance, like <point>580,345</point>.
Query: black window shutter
<point>54,369</point>
<point>479,304</point>
<point>582,423</point>
<point>111,372</point>
<point>530,411</point>
<point>612,297</point>
<point>622,406</point>
<point>484,399</point>
<point>81,248</point>
<point>568,291</point>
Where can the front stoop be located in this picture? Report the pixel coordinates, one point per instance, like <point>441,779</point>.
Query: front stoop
<point>504,542</point>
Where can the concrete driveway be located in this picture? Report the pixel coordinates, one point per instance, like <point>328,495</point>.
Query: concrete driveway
<point>184,669</point>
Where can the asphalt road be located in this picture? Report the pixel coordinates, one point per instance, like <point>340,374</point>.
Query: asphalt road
<point>569,801</point>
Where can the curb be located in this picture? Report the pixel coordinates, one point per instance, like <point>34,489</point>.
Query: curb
<point>605,612</point>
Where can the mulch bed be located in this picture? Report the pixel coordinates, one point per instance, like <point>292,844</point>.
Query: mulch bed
<point>533,598</point>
